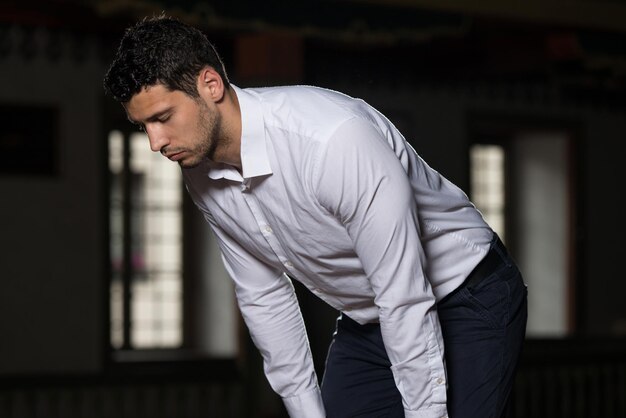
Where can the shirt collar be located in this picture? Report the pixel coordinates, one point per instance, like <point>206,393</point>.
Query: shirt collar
<point>254,159</point>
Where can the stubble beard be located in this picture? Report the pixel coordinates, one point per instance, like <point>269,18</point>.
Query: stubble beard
<point>208,128</point>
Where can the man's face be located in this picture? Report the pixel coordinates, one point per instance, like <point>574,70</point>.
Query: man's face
<point>182,128</point>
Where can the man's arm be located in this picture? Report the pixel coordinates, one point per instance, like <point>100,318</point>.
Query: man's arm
<point>270,309</point>
<point>362,182</point>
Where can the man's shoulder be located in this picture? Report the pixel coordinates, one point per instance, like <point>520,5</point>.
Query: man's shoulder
<point>310,98</point>
<point>310,111</point>
<point>295,91</point>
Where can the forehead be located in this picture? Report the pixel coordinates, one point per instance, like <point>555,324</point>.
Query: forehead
<point>152,100</point>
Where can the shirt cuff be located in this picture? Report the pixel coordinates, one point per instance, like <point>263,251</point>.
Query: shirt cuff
<point>307,405</point>
<point>434,412</point>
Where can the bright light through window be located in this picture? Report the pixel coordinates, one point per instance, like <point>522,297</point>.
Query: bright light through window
<point>487,184</point>
<point>155,314</point>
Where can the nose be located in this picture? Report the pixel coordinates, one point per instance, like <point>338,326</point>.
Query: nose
<point>157,138</point>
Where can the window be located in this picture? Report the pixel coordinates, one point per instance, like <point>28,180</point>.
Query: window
<point>487,184</point>
<point>145,245</point>
<point>520,177</point>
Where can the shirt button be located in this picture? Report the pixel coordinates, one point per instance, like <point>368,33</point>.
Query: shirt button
<point>267,229</point>
<point>440,381</point>
<point>288,264</point>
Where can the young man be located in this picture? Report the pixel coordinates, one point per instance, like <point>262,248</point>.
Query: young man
<point>312,184</point>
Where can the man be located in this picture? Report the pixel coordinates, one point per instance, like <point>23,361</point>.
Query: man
<point>312,184</point>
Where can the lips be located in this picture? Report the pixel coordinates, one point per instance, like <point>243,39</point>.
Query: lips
<point>175,156</point>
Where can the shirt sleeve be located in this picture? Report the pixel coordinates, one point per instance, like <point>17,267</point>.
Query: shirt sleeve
<point>270,309</point>
<point>364,185</point>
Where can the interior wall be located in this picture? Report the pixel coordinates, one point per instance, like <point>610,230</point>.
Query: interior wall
<point>603,243</point>
<point>51,241</point>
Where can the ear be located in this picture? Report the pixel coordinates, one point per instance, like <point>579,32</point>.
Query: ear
<point>210,84</point>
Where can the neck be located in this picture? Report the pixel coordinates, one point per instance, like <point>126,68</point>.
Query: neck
<point>230,152</point>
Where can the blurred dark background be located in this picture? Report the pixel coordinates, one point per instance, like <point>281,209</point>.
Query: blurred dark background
<point>113,300</point>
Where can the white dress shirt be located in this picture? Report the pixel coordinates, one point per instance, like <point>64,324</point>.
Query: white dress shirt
<point>331,194</point>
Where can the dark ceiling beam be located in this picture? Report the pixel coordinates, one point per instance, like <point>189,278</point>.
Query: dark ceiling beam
<point>609,15</point>
<point>320,19</point>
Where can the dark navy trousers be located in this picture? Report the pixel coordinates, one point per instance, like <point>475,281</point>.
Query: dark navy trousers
<point>483,326</point>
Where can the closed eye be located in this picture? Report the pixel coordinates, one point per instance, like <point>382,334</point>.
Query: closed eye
<point>160,117</point>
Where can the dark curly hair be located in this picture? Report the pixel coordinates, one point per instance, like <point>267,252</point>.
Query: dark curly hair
<point>160,50</point>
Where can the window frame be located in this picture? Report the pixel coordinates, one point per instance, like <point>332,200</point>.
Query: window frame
<point>498,127</point>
